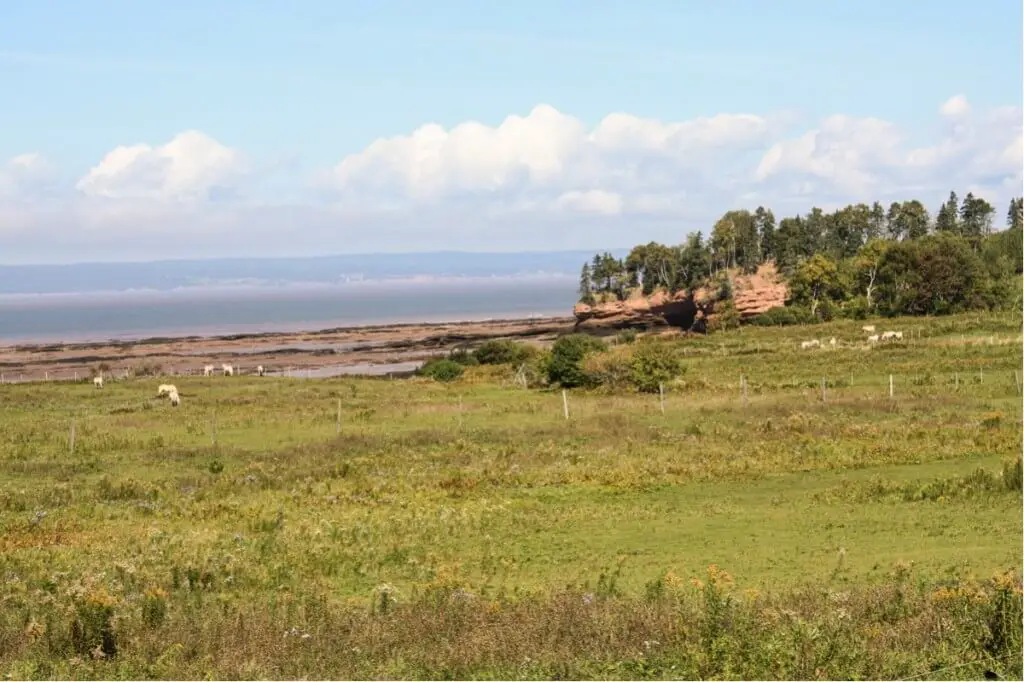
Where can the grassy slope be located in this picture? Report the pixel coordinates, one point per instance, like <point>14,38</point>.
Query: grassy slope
<point>503,495</point>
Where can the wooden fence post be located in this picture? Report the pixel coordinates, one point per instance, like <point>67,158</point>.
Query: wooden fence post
<point>565,404</point>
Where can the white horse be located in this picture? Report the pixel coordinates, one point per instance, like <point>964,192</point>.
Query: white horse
<point>97,382</point>
<point>207,370</point>
<point>166,388</point>
<point>228,370</point>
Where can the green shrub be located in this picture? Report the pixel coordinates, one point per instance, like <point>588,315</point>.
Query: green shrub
<point>726,317</point>
<point>501,352</point>
<point>857,309</point>
<point>441,369</point>
<point>654,363</point>
<point>463,357</point>
<point>783,316</point>
<point>626,336</point>
<point>565,366</point>
<point>610,370</point>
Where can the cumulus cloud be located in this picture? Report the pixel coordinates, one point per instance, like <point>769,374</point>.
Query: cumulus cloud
<point>549,155</point>
<point>26,176</point>
<point>541,180</point>
<point>850,159</point>
<point>190,166</point>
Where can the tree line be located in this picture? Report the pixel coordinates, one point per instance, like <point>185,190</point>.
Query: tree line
<point>857,260</point>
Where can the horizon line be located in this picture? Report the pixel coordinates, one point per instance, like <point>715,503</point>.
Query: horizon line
<point>375,254</point>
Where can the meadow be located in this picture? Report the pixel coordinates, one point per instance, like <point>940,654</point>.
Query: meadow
<point>371,528</point>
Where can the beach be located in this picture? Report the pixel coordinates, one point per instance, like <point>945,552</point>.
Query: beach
<point>372,350</point>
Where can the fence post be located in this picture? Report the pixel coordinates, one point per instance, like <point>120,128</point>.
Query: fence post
<point>981,374</point>
<point>890,386</point>
<point>661,396</point>
<point>71,440</point>
<point>1016,378</point>
<point>565,404</point>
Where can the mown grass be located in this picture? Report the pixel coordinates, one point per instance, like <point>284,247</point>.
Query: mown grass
<point>469,530</point>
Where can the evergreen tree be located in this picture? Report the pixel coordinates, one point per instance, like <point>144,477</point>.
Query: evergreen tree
<point>586,286</point>
<point>947,219</point>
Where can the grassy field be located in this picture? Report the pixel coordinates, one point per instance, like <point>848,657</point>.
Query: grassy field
<point>470,530</point>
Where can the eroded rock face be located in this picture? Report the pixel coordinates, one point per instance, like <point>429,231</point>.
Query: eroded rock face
<point>752,294</point>
<point>759,292</point>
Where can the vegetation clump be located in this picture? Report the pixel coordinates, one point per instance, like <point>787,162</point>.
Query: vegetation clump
<point>851,263</point>
<point>441,369</point>
<point>565,366</point>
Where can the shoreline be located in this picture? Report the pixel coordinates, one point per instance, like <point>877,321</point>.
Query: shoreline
<point>326,352</point>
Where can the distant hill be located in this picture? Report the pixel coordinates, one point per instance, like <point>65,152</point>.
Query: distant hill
<point>173,274</point>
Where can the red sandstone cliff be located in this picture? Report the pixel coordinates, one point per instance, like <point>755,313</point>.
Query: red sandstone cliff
<point>752,295</point>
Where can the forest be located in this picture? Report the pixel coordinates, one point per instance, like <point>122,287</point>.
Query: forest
<point>857,261</point>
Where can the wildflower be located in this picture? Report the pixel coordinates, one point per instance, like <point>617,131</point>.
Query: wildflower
<point>672,580</point>
<point>588,598</point>
<point>34,630</point>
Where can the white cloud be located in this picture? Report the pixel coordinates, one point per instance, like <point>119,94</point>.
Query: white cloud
<point>190,166</point>
<point>545,154</point>
<point>851,159</point>
<point>25,177</point>
<point>955,107</point>
<point>543,180</point>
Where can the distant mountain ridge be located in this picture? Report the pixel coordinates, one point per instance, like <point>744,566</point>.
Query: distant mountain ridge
<point>172,274</point>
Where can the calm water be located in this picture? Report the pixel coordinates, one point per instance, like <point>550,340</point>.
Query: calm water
<point>140,314</point>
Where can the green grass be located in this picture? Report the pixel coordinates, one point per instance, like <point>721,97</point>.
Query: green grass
<point>484,487</point>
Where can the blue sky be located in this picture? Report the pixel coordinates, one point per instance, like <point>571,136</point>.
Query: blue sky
<point>299,86</point>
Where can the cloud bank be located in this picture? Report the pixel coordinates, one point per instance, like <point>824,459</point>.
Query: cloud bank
<point>539,181</point>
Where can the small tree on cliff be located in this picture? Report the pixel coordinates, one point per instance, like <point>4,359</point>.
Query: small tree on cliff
<point>586,285</point>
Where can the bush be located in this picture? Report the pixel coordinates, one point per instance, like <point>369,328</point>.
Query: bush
<point>611,370</point>
<point>726,317</point>
<point>783,316</point>
<point>625,336</point>
<point>463,357</point>
<point>501,352</point>
<point>827,310</point>
<point>441,370</point>
<point>857,309</point>
<point>565,366</point>
<point>654,363</point>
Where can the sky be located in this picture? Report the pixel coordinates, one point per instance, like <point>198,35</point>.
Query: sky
<point>145,129</point>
